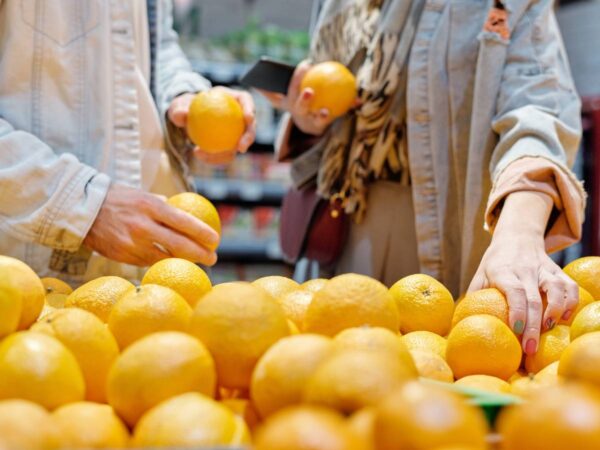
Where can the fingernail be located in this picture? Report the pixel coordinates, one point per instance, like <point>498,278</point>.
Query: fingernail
<point>519,326</point>
<point>531,347</point>
<point>567,315</point>
<point>306,95</point>
<point>550,323</point>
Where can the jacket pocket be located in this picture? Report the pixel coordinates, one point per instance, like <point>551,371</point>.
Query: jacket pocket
<point>61,21</point>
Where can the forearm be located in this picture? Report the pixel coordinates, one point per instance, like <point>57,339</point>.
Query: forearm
<point>524,213</point>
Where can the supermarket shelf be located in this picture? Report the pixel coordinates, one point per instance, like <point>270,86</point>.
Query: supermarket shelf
<point>268,193</point>
<point>248,251</point>
<point>220,72</point>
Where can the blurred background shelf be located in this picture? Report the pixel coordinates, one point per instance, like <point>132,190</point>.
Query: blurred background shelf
<point>244,192</point>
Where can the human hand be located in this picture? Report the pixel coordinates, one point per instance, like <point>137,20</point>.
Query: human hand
<point>178,113</point>
<point>135,227</point>
<point>516,263</point>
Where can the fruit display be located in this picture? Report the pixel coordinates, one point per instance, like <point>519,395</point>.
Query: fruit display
<point>344,363</point>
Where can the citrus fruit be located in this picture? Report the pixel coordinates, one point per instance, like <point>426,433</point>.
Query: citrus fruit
<point>353,379</point>
<point>585,298</point>
<point>423,303</point>
<point>281,373</point>
<point>564,417</point>
<point>88,339</point>
<point>10,306</point>
<point>155,368</point>
<point>276,286</point>
<point>98,296</point>
<point>45,311</point>
<point>362,423</point>
<point>55,286</point>
<point>485,301</point>
<point>581,359</point>
<point>485,383</point>
<point>146,310</point>
<point>314,285</point>
<point>334,88</point>
<point>426,341</point>
<point>432,366</point>
<point>422,417</point>
<point>586,321</point>
<point>483,345</point>
<point>199,207</point>
<point>38,367</point>
<point>307,428</point>
<point>56,300</point>
<point>295,304</point>
<point>243,408</point>
<point>190,420</point>
<point>27,426</point>
<point>181,275</point>
<point>349,301</point>
<point>90,425</point>
<point>586,273</point>
<point>551,345</point>
<point>294,330</point>
<point>29,286</point>
<point>238,322</point>
<point>215,121</point>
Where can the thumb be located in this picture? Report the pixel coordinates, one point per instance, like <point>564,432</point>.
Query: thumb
<point>178,116</point>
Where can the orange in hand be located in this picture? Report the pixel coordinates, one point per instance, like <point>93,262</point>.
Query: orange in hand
<point>334,88</point>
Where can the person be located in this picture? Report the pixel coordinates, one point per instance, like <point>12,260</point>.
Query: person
<point>467,120</point>
<point>93,105</point>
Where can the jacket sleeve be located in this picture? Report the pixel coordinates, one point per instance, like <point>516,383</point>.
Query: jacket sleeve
<point>44,198</point>
<point>538,116</point>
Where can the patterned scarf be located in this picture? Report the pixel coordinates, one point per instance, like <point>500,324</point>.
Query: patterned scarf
<point>373,38</point>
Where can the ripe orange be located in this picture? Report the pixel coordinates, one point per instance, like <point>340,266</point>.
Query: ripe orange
<point>215,121</point>
<point>89,340</point>
<point>56,286</point>
<point>307,428</point>
<point>243,408</point>
<point>353,379</point>
<point>432,366</point>
<point>146,310</point>
<point>485,383</point>
<point>564,417</point>
<point>181,275</point>
<point>552,344</point>
<point>424,304</point>
<point>334,88</point>
<point>190,420</point>
<point>426,341</point>
<point>29,286</point>
<point>276,286</point>
<point>314,285</point>
<point>587,321</point>
<point>156,368</point>
<point>486,301</point>
<point>10,306</point>
<point>423,417</point>
<point>282,372</point>
<point>90,425</point>
<point>483,345</point>
<point>238,323</point>
<point>349,301</point>
<point>37,367</point>
<point>199,207</point>
<point>293,300</point>
<point>586,273</point>
<point>26,425</point>
<point>98,296</point>
<point>362,422</point>
<point>581,359</point>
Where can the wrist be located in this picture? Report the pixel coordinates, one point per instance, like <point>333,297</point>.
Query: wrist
<point>524,214</point>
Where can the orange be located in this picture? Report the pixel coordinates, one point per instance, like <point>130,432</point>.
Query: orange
<point>276,286</point>
<point>29,286</point>
<point>486,301</point>
<point>353,379</point>
<point>426,341</point>
<point>484,383</point>
<point>334,88</point>
<point>432,366</point>
<point>282,372</point>
<point>564,417</point>
<point>551,345</point>
<point>215,121</point>
<point>88,339</point>
<point>581,359</point>
<point>362,422</point>
<point>314,285</point>
<point>349,301</point>
<point>295,304</point>
<point>181,275</point>
<point>483,345</point>
<point>545,379</point>
<point>238,323</point>
<point>243,408</point>
<point>190,420</point>
<point>90,425</point>
<point>37,367</point>
<point>550,372</point>
<point>585,298</point>
<point>155,368</point>
<point>27,426</point>
<point>146,310</point>
<point>422,417</point>
<point>586,273</point>
<point>199,207</point>
<point>424,304</point>
<point>56,286</point>
<point>98,296</point>
<point>587,321</point>
<point>307,428</point>
<point>10,306</point>
<point>293,328</point>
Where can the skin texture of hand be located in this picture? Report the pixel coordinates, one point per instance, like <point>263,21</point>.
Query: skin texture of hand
<point>139,228</point>
<point>516,263</point>
<point>178,112</point>
<point>297,103</point>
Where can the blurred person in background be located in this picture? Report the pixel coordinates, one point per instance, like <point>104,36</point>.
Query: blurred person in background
<point>94,97</point>
<point>456,163</point>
